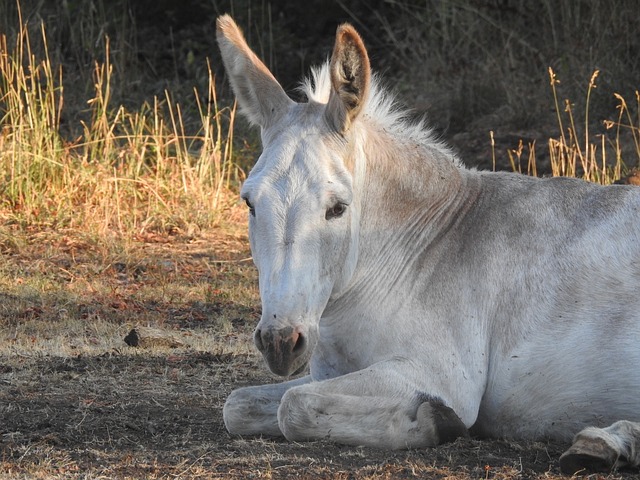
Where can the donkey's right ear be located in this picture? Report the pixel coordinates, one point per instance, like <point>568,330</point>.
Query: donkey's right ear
<point>350,79</point>
<point>260,96</point>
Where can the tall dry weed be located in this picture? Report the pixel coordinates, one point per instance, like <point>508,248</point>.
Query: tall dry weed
<point>127,172</point>
<point>601,158</point>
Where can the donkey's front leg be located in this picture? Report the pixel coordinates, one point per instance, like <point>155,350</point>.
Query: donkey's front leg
<point>370,407</point>
<point>254,410</point>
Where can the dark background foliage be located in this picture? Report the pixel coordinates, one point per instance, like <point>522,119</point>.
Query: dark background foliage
<point>472,66</point>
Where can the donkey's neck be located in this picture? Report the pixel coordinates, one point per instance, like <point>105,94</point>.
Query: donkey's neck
<point>413,194</point>
<point>410,184</point>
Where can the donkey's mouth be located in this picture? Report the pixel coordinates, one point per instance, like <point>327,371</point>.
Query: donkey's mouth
<point>286,350</point>
<point>290,370</point>
<point>284,363</point>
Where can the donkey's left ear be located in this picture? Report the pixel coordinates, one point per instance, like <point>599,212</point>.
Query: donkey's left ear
<point>350,78</point>
<point>260,96</point>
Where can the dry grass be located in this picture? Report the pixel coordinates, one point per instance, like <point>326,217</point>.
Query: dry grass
<point>133,221</point>
<point>479,67</point>
<point>66,295</point>
<point>75,400</point>
<point>127,173</point>
<point>151,169</point>
<point>600,158</point>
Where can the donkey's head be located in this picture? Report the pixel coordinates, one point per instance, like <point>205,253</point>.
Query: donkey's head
<point>303,211</point>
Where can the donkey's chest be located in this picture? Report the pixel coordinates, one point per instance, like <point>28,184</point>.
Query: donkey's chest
<point>358,339</point>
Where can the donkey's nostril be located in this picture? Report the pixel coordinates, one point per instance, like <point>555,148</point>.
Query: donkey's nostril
<point>284,349</point>
<point>288,342</point>
<point>299,342</point>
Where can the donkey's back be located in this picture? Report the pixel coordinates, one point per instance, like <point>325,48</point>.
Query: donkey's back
<point>561,262</point>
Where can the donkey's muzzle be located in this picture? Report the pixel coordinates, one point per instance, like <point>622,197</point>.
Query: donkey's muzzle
<point>283,349</point>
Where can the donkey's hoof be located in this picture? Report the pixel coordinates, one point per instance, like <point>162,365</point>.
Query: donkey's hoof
<point>588,454</point>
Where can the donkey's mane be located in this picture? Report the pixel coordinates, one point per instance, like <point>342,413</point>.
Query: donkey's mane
<point>381,108</point>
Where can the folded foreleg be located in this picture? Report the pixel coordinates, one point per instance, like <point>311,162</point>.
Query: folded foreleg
<point>369,407</point>
<point>254,410</point>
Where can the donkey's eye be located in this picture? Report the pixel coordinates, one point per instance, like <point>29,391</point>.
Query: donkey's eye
<point>336,211</point>
<point>252,210</point>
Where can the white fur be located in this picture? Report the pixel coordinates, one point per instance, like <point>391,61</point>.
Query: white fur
<point>512,300</point>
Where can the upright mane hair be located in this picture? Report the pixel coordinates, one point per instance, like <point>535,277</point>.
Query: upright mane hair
<point>381,109</point>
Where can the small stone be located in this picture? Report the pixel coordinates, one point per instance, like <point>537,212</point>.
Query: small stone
<point>146,337</point>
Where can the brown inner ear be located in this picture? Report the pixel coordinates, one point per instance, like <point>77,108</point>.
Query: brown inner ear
<point>350,76</point>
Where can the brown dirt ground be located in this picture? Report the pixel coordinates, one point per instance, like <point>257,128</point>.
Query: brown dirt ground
<point>119,412</point>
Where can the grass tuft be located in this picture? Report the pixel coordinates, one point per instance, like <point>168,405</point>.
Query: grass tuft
<point>603,159</point>
<point>127,173</point>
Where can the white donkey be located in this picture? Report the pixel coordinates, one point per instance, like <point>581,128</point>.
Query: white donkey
<point>427,299</point>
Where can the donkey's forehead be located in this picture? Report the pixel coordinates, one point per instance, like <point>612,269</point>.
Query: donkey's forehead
<point>302,153</point>
<point>301,119</point>
<point>301,140</point>
<point>299,157</point>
